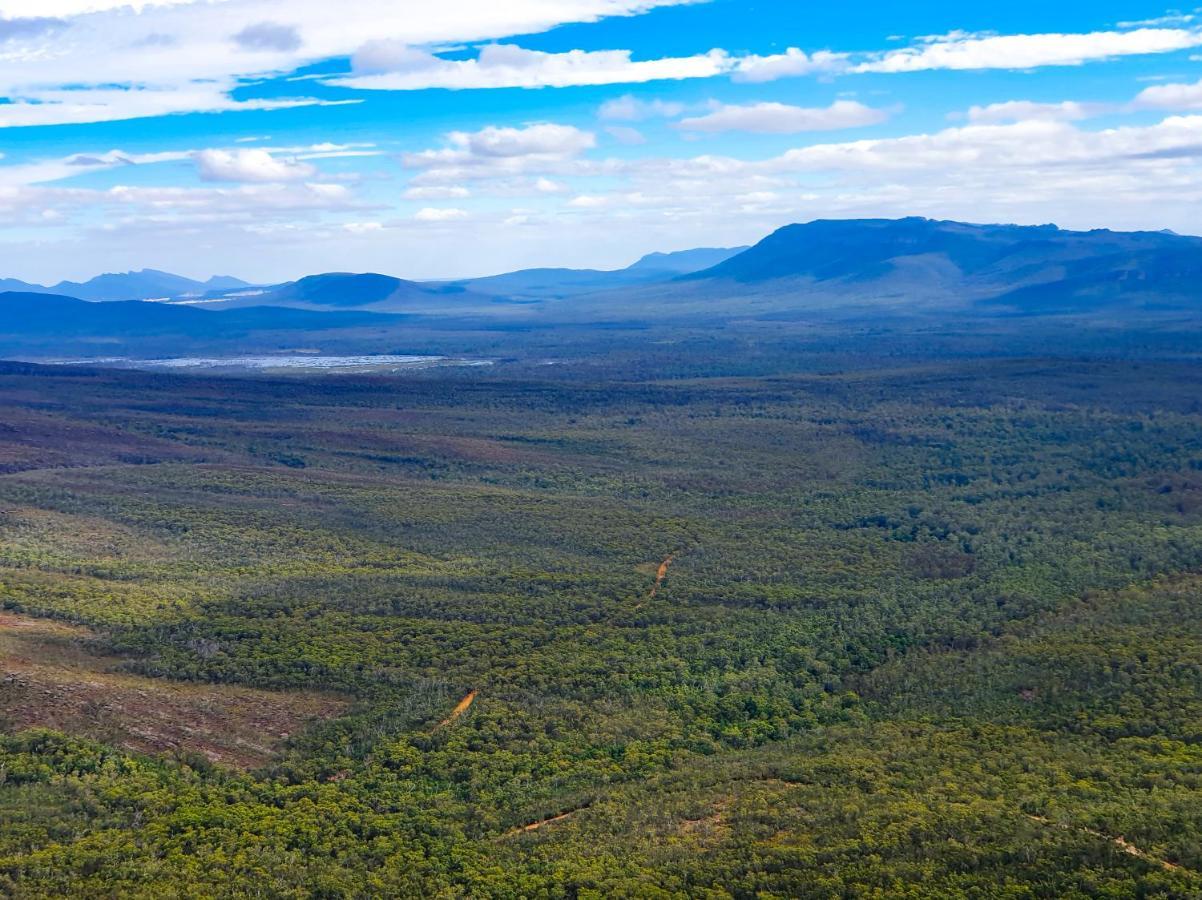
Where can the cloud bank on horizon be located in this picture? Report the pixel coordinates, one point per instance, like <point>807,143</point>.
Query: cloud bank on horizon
<point>270,138</point>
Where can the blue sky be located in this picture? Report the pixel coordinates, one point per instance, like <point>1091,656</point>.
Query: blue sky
<point>273,138</point>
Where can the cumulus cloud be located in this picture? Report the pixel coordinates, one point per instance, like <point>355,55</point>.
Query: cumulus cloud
<point>437,192</point>
<point>780,118</point>
<point>501,152</point>
<point>790,64</point>
<point>1171,96</point>
<point>632,109</point>
<point>510,66</point>
<point>506,157</point>
<point>253,165</point>
<point>436,214</point>
<point>1134,177</point>
<point>269,36</point>
<point>546,140</point>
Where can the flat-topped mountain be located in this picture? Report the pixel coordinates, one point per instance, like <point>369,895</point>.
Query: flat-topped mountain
<point>1023,269</point>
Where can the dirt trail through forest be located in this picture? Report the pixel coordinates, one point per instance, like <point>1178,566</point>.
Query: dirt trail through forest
<point>1120,842</point>
<point>459,709</point>
<point>543,823</point>
<point>661,574</point>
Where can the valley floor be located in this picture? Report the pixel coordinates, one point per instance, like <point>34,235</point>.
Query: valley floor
<point>911,630</point>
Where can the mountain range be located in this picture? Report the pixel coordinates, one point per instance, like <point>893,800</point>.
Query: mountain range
<point>868,269</point>
<point>147,284</point>
<point>1020,269</point>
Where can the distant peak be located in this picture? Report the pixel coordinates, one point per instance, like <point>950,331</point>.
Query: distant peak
<point>682,262</point>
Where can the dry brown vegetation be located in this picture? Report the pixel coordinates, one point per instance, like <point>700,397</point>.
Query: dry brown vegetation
<point>51,678</point>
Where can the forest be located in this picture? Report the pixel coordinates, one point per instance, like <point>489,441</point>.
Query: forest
<point>765,621</point>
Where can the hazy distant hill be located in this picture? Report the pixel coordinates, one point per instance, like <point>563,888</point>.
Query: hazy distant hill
<point>550,284</point>
<point>367,291</point>
<point>147,284</point>
<point>50,324</point>
<point>871,270</point>
<point>684,261</point>
<point>922,266</point>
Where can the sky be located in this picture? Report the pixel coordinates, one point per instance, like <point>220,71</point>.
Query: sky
<point>270,139</point>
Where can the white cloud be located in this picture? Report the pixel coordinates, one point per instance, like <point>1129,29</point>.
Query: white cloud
<point>589,201</point>
<point>500,152</point>
<point>434,214</point>
<point>547,140</point>
<point>1027,111</point>
<point>790,64</point>
<point>385,55</point>
<point>437,192</point>
<point>624,134</point>
<point>510,66</point>
<point>250,166</point>
<point>269,37</point>
<point>1136,177</point>
<point>779,118</point>
<point>117,59</point>
<point>14,8</point>
<point>990,147</point>
<point>50,170</point>
<point>1029,51</point>
<point>1131,177</point>
<point>253,199</point>
<point>60,107</point>
<point>362,227</point>
<point>961,51</point>
<point>1173,18</point>
<point>1171,96</point>
<point>17,28</point>
<point>632,109</point>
